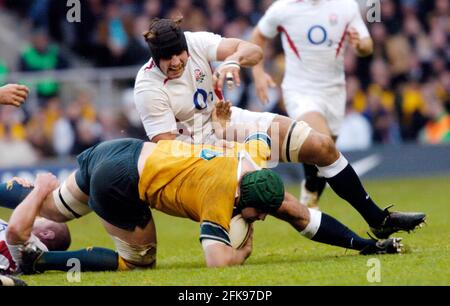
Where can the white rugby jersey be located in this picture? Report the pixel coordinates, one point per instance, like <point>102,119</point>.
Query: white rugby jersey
<point>313,37</point>
<point>6,262</point>
<point>188,100</point>
<point>10,254</point>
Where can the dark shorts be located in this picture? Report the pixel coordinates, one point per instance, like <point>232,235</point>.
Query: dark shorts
<point>108,173</point>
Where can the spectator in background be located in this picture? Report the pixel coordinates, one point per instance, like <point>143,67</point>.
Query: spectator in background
<point>356,131</point>
<point>130,121</point>
<point>15,150</point>
<point>152,8</point>
<point>40,127</point>
<point>3,72</point>
<point>193,17</point>
<point>41,55</point>
<point>216,15</point>
<point>114,33</point>
<point>137,50</point>
<point>83,118</point>
<point>411,54</point>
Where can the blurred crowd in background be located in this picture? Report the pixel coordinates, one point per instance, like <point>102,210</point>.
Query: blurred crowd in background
<point>399,94</point>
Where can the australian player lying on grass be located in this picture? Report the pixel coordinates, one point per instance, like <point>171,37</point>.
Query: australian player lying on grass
<point>120,180</point>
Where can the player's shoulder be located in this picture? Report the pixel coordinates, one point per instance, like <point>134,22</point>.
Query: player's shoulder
<point>148,77</point>
<point>199,37</point>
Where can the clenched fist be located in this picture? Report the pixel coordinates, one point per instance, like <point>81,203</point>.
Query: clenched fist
<point>13,94</point>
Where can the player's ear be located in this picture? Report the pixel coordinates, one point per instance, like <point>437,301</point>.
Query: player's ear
<point>47,234</point>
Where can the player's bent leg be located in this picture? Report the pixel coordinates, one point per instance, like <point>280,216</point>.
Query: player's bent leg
<point>342,178</point>
<point>66,203</point>
<point>323,228</point>
<point>114,196</point>
<point>136,249</point>
<point>313,185</point>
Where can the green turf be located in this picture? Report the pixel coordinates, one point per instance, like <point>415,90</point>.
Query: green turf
<point>281,256</point>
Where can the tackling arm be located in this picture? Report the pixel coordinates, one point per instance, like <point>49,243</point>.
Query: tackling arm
<point>21,222</point>
<point>235,53</point>
<point>245,53</point>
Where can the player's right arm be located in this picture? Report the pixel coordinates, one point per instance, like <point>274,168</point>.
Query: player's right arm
<point>219,254</point>
<point>22,219</point>
<point>217,247</point>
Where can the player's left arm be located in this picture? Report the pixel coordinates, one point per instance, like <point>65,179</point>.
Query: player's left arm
<point>358,34</point>
<point>362,46</point>
<point>22,219</point>
<point>235,53</point>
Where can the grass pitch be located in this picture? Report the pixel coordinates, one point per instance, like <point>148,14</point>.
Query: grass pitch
<point>281,256</point>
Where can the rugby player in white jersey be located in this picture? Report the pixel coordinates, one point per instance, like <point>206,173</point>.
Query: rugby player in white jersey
<point>177,85</point>
<point>315,34</point>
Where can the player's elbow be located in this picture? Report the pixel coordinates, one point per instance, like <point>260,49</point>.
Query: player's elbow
<point>254,54</point>
<point>15,235</point>
<point>258,53</point>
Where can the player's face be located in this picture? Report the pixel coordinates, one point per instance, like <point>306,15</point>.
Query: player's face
<point>251,214</point>
<point>173,67</point>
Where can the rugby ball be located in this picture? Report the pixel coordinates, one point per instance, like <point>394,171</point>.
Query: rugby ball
<point>239,231</point>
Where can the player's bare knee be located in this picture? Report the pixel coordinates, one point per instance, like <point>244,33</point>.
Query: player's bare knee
<point>320,150</point>
<point>135,256</point>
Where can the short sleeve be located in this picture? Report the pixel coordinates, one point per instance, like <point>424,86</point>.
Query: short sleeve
<point>205,43</point>
<point>357,21</point>
<point>155,112</point>
<point>268,24</point>
<point>212,231</point>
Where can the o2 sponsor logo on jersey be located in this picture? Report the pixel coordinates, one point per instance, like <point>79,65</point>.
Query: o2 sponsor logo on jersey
<point>202,98</point>
<point>318,35</point>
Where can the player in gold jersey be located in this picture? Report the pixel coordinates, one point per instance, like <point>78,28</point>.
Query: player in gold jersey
<point>120,180</point>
